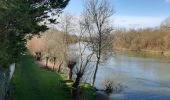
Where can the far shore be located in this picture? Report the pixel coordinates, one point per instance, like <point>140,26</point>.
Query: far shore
<point>153,52</point>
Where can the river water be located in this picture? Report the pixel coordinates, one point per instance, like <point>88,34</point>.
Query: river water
<point>143,77</point>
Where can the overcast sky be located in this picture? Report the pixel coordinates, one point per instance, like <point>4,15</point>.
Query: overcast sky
<point>132,13</point>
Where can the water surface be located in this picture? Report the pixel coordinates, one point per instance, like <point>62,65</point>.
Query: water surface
<point>143,77</point>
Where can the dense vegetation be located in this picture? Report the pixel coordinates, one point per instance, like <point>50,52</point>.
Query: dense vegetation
<point>21,17</point>
<point>51,44</point>
<point>157,39</point>
<point>19,20</point>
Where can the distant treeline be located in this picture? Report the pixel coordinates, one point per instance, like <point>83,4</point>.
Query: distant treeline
<point>150,39</point>
<point>157,39</point>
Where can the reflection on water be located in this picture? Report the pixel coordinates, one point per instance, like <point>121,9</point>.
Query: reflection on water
<point>145,78</point>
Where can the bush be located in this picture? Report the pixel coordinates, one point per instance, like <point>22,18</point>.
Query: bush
<point>112,87</point>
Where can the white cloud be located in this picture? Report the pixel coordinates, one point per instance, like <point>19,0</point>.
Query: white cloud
<point>137,21</point>
<point>167,0</point>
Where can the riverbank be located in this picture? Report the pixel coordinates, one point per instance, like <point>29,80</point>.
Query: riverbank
<point>165,53</point>
<point>31,82</point>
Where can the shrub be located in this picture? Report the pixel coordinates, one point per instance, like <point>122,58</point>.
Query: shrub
<point>112,87</point>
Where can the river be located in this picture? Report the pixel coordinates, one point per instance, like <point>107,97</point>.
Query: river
<point>142,77</point>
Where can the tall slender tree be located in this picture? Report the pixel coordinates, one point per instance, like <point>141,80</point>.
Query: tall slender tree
<point>96,17</point>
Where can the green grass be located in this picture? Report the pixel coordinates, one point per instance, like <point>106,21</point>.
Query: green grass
<point>88,91</point>
<point>33,83</point>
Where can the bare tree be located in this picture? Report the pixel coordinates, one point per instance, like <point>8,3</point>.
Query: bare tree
<point>96,21</point>
<point>47,49</point>
<point>165,25</point>
<point>83,62</point>
<point>54,47</point>
<point>67,26</point>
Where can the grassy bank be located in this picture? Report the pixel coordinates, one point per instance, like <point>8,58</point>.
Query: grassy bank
<point>33,83</point>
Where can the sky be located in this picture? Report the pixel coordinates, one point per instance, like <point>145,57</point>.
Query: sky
<point>131,13</point>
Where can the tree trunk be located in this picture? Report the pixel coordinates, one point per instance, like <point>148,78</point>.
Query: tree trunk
<point>46,62</point>
<point>40,56</point>
<point>96,69</point>
<point>54,63</point>
<point>70,73</point>
<point>71,66</point>
<point>59,68</point>
<point>75,87</point>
